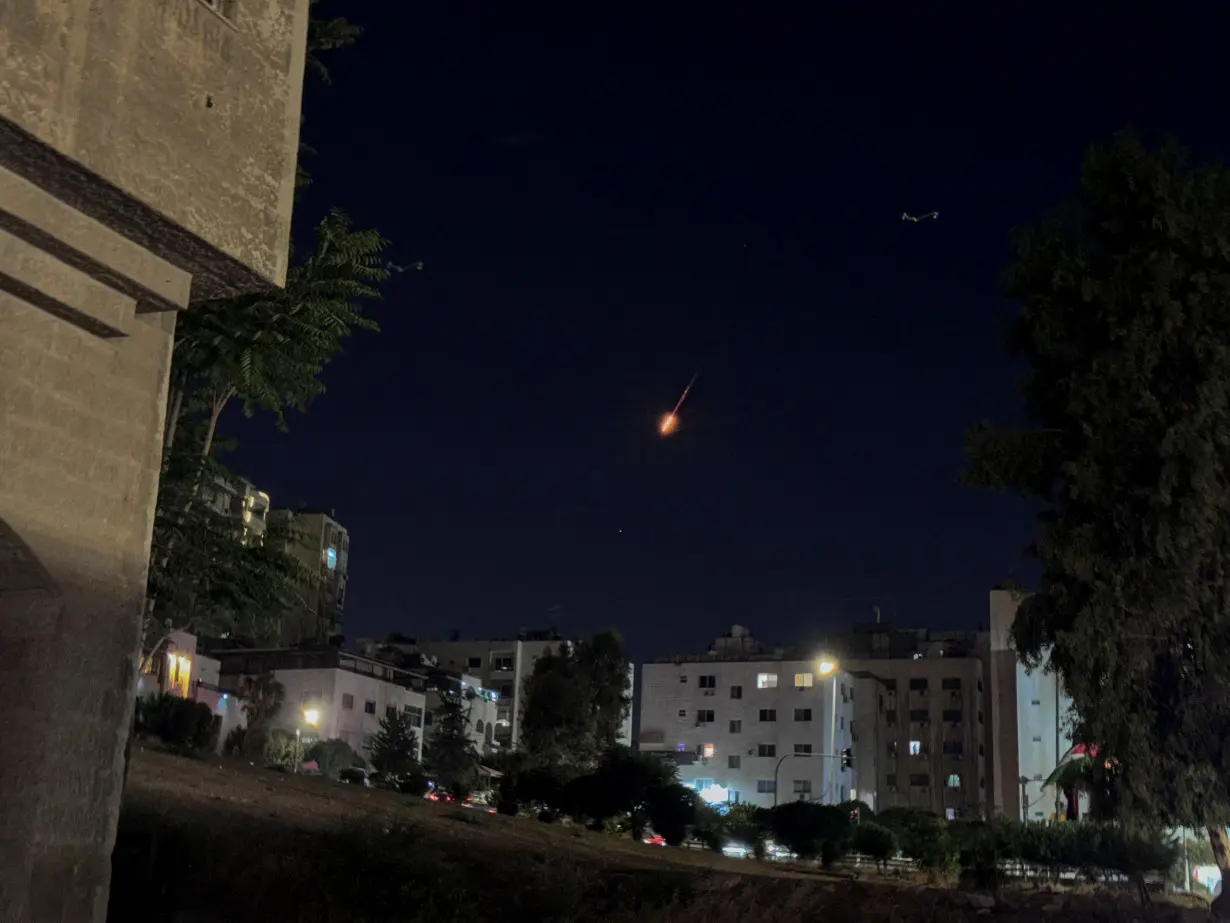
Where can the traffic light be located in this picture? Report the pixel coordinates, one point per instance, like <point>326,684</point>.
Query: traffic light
<point>847,758</point>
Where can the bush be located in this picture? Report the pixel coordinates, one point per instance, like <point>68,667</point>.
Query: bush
<point>874,841</point>
<point>185,726</point>
<point>413,783</point>
<point>333,756</point>
<point>283,752</point>
<point>352,776</point>
<point>809,830</point>
<point>672,811</point>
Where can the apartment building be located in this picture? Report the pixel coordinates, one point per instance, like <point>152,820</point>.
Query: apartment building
<point>922,718</point>
<point>240,500</point>
<point>331,694</point>
<point>147,165</point>
<point>480,705</point>
<point>1030,714</point>
<point>750,725</point>
<point>502,666</point>
<point>322,546</point>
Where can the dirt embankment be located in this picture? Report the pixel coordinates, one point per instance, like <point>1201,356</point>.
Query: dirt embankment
<point>209,843</point>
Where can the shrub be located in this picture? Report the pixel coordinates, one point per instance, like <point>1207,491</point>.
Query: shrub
<point>874,841</point>
<point>672,811</point>
<point>413,783</point>
<point>805,828</point>
<point>333,756</point>
<point>183,725</point>
<point>283,752</point>
<point>353,776</point>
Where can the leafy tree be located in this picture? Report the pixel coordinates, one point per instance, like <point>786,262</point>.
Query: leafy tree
<point>1125,333</point>
<point>625,782</point>
<point>672,812</point>
<point>805,827</point>
<point>449,754</point>
<point>267,350</point>
<point>283,751</point>
<point>395,748</point>
<point>875,842</point>
<point>263,697</point>
<point>576,702</point>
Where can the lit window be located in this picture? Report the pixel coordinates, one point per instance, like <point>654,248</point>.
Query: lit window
<point>802,680</point>
<point>954,781</point>
<point>766,680</point>
<point>915,747</point>
<point>331,558</point>
<point>707,751</point>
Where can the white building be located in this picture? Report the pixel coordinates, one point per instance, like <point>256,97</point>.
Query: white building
<point>346,694</point>
<point>1030,715</point>
<point>748,726</point>
<point>501,665</point>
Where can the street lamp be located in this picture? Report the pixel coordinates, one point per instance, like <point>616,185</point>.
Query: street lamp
<point>311,717</point>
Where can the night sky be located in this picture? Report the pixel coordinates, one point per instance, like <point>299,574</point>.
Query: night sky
<point>606,206</point>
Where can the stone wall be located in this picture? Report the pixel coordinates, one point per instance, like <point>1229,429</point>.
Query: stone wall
<point>191,106</point>
<point>147,160</point>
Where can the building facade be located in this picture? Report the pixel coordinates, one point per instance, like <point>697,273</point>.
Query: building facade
<point>1031,715</point>
<point>501,665</point>
<point>346,694</point>
<point>147,163</point>
<point>322,546</point>
<point>240,500</point>
<point>750,726</point>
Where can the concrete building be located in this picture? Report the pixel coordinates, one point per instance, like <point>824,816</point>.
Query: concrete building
<point>347,693</point>
<point>180,668</point>
<point>501,665</point>
<point>147,163</point>
<point>322,546</point>
<point>241,501</point>
<point>1030,714</point>
<point>751,725</point>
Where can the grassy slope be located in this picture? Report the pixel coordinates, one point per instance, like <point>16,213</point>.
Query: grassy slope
<point>244,844</point>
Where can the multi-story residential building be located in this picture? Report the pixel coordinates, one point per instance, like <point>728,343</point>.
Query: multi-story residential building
<point>502,665</point>
<point>322,546</point>
<point>1030,713</point>
<point>240,500</point>
<point>751,725</point>
<point>331,694</point>
<point>147,164</point>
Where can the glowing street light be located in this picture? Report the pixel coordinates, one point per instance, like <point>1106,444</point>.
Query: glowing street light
<point>311,716</point>
<point>826,667</point>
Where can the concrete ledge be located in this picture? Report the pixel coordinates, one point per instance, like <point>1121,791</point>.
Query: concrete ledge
<point>90,246</point>
<point>42,280</point>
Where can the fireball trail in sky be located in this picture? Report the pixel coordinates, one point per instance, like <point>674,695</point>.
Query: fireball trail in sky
<point>670,422</point>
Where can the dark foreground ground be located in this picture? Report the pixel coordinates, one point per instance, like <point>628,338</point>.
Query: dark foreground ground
<point>214,843</point>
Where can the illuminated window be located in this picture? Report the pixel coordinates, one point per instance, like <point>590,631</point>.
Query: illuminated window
<point>954,781</point>
<point>331,558</point>
<point>802,680</point>
<point>179,672</point>
<point>915,747</point>
<point>707,751</point>
<point>766,680</point>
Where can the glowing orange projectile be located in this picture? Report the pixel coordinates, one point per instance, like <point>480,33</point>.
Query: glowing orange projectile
<point>670,422</point>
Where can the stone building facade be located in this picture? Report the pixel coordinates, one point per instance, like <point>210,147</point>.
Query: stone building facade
<point>147,161</point>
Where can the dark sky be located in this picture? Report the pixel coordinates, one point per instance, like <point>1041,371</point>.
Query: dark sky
<point>605,206</point>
